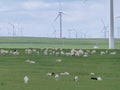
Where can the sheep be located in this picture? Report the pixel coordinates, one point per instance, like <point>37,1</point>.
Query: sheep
<point>3,52</point>
<point>99,78</point>
<point>113,53</point>
<point>57,77</point>
<point>102,53</point>
<point>96,78</point>
<point>93,78</point>
<point>92,74</point>
<point>65,73</point>
<point>29,61</point>
<point>46,52</point>
<point>58,60</point>
<point>85,55</point>
<point>93,52</point>
<point>26,79</point>
<point>75,78</point>
<point>28,51</point>
<point>33,62</point>
<point>50,74</point>
<point>62,53</point>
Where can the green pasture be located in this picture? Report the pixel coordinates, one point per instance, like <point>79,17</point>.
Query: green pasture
<point>14,68</point>
<point>36,42</point>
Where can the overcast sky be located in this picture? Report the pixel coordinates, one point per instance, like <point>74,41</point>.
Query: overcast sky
<point>37,18</point>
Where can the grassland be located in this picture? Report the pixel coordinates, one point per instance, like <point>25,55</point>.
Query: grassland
<point>14,68</point>
<point>35,42</point>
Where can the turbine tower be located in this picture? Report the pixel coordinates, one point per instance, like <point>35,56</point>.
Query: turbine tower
<point>111,32</point>
<point>60,18</point>
<point>13,26</point>
<point>105,29</point>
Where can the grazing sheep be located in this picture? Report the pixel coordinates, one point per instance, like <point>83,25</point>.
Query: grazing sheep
<point>50,74</point>
<point>96,78</point>
<point>28,51</point>
<point>75,78</point>
<point>62,53</point>
<point>93,52</point>
<point>26,79</point>
<point>102,53</point>
<point>56,77</point>
<point>3,52</point>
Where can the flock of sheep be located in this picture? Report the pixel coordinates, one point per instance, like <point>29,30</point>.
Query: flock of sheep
<point>56,52</point>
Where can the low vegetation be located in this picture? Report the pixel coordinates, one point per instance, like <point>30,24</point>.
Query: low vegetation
<point>14,67</point>
<point>35,42</point>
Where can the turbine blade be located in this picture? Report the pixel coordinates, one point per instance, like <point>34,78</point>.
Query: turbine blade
<point>57,17</point>
<point>60,6</point>
<point>118,17</point>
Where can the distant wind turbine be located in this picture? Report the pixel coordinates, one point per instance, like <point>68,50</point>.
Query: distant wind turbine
<point>13,26</point>
<point>105,29</point>
<point>60,13</point>
<point>69,30</point>
<point>54,32</point>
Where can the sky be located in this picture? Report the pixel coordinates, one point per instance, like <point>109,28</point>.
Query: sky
<point>37,18</point>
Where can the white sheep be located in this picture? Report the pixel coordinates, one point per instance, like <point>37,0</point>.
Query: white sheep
<point>92,73</point>
<point>102,53</point>
<point>93,52</point>
<point>99,78</point>
<point>56,77</point>
<point>75,78</point>
<point>65,73</point>
<point>50,74</point>
<point>58,60</point>
<point>32,62</point>
<point>113,53</point>
<point>29,61</point>
<point>26,79</point>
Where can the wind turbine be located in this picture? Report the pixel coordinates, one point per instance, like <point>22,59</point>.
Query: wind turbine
<point>111,31</point>
<point>105,29</point>
<point>54,32</point>
<point>13,26</point>
<point>118,28</point>
<point>60,13</point>
<point>69,30</point>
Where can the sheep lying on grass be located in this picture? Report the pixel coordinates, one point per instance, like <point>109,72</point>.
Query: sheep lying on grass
<point>30,61</point>
<point>65,73</point>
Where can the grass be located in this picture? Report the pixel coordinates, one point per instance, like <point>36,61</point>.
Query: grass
<point>14,68</point>
<point>35,42</point>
